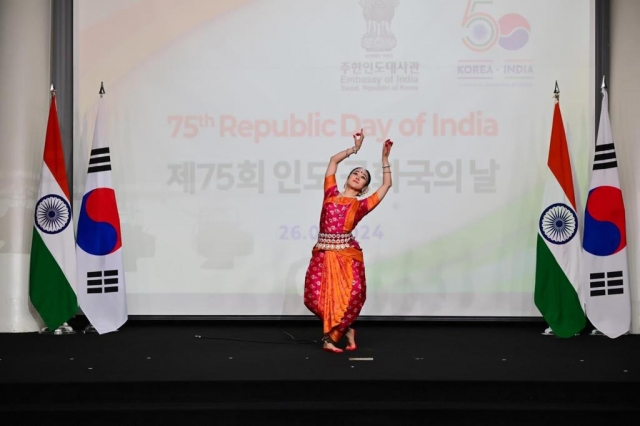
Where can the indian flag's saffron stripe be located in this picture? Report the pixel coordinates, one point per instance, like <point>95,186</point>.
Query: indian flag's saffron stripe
<point>559,162</point>
<point>53,155</point>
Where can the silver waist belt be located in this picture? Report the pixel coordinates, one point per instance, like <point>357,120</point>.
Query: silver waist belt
<point>333,241</point>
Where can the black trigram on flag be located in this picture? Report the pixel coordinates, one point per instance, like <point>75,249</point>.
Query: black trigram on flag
<point>608,284</point>
<point>102,282</point>
<point>100,160</point>
<point>605,157</point>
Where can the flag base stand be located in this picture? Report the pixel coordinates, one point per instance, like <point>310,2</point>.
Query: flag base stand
<point>63,329</point>
<point>549,332</point>
<point>90,329</point>
<point>596,332</point>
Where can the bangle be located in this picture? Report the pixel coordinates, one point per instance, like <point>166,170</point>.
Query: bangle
<point>384,167</point>
<point>355,150</point>
<point>387,172</point>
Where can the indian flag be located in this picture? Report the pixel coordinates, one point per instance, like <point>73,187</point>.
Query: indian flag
<point>557,293</point>
<point>53,255</point>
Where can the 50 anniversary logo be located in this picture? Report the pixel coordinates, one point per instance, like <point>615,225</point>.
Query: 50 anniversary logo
<point>511,31</point>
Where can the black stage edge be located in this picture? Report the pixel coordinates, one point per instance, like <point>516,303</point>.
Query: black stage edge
<point>271,372</point>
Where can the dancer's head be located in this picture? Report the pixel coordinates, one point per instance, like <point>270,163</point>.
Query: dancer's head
<point>359,180</point>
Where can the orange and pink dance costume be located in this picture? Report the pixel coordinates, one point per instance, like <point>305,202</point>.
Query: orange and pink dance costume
<point>335,284</point>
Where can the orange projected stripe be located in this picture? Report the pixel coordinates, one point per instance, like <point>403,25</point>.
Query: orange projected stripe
<point>110,49</point>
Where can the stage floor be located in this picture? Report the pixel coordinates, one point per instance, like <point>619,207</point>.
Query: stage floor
<point>270,366</point>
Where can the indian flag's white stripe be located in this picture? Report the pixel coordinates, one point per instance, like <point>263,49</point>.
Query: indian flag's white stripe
<point>62,245</point>
<point>567,255</point>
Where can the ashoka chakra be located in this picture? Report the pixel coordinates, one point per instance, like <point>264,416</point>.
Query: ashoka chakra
<point>558,223</point>
<point>53,214</point>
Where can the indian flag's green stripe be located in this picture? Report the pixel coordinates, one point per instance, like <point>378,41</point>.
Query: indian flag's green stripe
<point>554,295</point>
<point>50,291</point>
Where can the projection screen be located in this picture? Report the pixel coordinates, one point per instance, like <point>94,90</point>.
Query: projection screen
<point>222,116</point>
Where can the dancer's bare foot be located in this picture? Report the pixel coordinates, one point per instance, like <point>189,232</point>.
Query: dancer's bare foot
<point>329,345</point>
<point>351,337</point>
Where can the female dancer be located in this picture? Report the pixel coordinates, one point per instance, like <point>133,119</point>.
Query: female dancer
<point>335,286</point>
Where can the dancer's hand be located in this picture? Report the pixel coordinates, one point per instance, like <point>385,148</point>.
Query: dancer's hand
<point>358,138</point>
<point>386,149</point>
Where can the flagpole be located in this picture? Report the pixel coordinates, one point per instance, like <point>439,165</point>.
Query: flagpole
<point>595,331</point>
<point>90,306</point>
<point>556,95</point>
<point>90,328</point>
<point>65,328</point>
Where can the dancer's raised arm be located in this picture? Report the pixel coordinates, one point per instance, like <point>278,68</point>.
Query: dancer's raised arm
<point>337,158</point>
<point>386,170</point>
